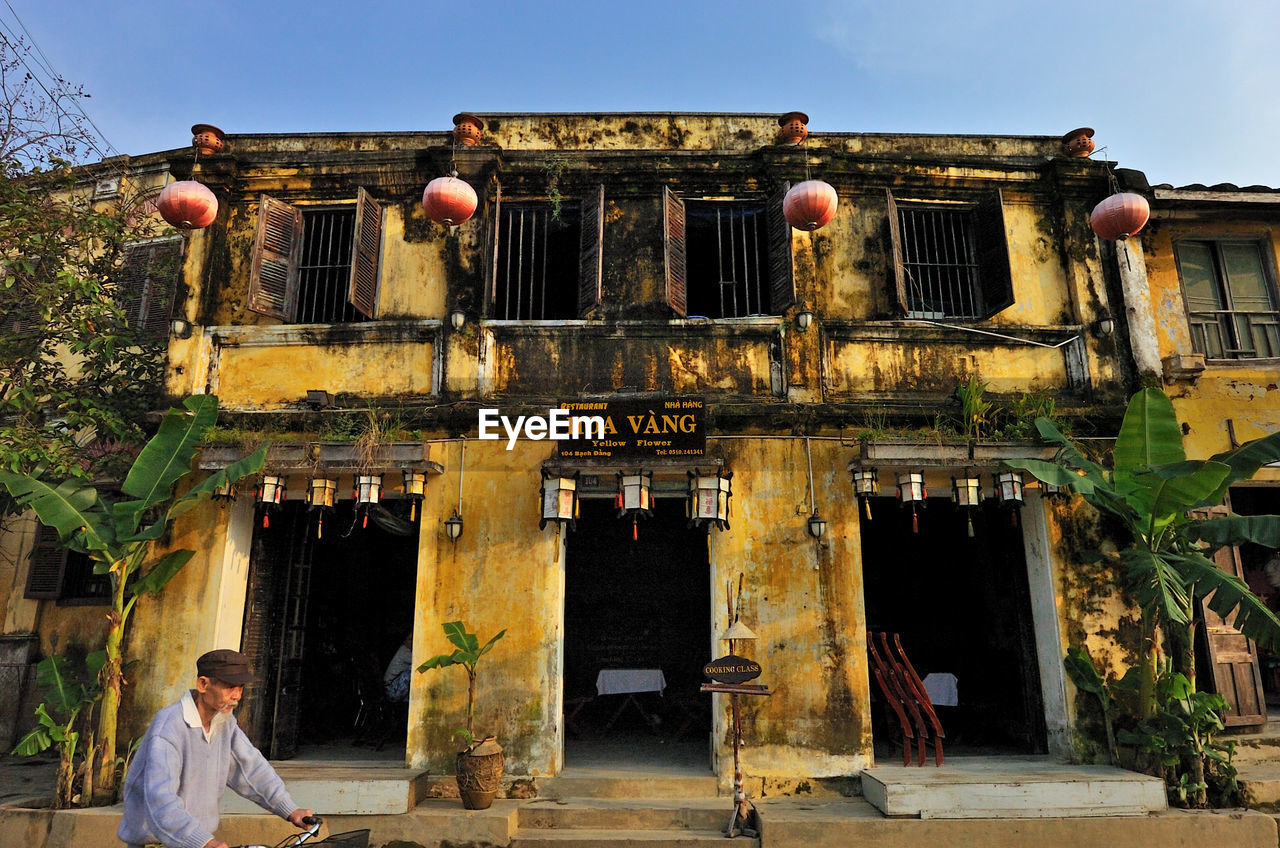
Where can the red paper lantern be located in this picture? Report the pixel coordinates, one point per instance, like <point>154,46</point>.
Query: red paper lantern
<point>809,205</point>
<point>187,205</point>
<point>449,200</point>
<point>1120,216</point>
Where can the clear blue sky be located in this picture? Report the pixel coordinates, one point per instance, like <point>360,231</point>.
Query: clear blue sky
<point>1186,91</point>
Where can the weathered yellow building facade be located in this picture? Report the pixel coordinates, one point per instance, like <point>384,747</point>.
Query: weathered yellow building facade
<point>631,260</point>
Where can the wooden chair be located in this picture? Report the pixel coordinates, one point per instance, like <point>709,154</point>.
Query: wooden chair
<point>906,695</point>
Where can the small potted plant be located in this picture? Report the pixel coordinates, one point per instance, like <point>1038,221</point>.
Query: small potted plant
<point>479,765</point>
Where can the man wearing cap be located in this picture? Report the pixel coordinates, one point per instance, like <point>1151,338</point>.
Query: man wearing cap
<point>191,752</point>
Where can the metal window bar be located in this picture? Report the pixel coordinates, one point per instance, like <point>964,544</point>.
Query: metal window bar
<point>741,271</point>
<point>940,262</point>
<point>524,257</point>
<point>324,271</point>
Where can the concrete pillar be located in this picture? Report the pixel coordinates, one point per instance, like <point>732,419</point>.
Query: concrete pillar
<point>1137,303</point>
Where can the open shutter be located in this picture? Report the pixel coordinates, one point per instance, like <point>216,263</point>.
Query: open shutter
<point>897,273</point>
<point>495,233</point>
<point>590,257</point>
<point>273,280</point>
<point>782,283</point>
<point>363,293</point>
<point>675,255</point>
<point>994,277</point>
<point>48,561</point>
<point>1237,676</point>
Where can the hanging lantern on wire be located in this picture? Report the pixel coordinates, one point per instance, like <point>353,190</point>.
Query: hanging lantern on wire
<point>367,492</point>
<point>559,495</point>
<point>635,498</point>
<point>866,485</point>
<point>1119,216</point>
<point>911,490</point>
<point>810,205</point>
<point>449,200</point>
<point>967,491</point>
<point>1008,485</point>
<point>322,497</point>
<point>415,489</point>
<point>187,205</point>
<point>268,494</point>
<point>709,496</point>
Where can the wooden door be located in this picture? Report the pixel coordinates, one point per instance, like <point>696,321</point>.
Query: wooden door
<point>1234,657</point>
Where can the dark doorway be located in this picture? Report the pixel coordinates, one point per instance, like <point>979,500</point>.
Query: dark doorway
<point>645,604</point>
<point>962,606</point>
<point>1261,568</point>
<point>326,611</point>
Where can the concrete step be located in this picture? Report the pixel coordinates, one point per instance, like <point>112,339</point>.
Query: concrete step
<point>568,784</point>
<point>347,788</point>
<point>708,814</point>
<point>610,838</point>
<point>1011,787</point>
<point>1260,785</point>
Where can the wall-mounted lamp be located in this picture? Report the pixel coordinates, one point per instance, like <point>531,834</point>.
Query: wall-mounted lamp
<point>803,318</point>
<point>318,399</point>
<point>817,525</point>
<point>453,527</point>
<point>1105,325</point>
<point>180,328</point>
<point>457,318</point>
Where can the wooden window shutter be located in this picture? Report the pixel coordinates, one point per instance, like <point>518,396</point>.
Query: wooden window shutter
<point>897,274</point>
<point>163,269</point>
<point>495,233</point>
<point>994,276</point>
<point>273,280</point>
<point>364,255</point>
<point>675,254</point>
<point>782,283</point>
<point>591,254</point>
<point>132,281</point>
<point>48,561</point>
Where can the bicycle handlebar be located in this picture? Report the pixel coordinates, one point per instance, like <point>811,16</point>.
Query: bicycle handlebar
<point>312,828</point>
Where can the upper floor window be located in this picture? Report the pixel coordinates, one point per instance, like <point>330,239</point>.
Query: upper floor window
<point>950,261</point>
<point>57,573</point>
<point>547,262</point>
<point>728,258</point>
<point>317,266</point>
<point>147,284</point>
<point>1231,299</point>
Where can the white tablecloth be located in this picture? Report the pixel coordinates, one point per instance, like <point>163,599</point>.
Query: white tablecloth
<point>620,681</point>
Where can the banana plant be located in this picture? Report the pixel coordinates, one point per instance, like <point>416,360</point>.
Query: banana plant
<point>467,654</point>
<point>66,695</point>
<point>118,531</point>
<point>1162,498</point>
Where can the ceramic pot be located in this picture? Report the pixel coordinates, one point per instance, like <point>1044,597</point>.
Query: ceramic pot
<point>467,129</point>
<point>207,138</point>
<point>794,128</point>
<point>479,774</point>
<point>1078,143</point>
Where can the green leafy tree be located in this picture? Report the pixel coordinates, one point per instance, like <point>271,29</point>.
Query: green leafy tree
<point>1160,497</point>
<point>467,654</point>
<point>118,533</point>
<point>75,376</point>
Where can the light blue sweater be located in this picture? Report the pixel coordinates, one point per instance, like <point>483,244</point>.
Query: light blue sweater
<point>177,778</point>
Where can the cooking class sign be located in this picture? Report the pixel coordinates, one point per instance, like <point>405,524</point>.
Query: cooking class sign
<point>639,427</point>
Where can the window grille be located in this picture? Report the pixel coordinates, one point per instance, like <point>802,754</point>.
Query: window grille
<point>324,267</point>
<point>728,260</point>
<point>536,275</point>
<point>1231,301</point>
<point>940,263</point>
